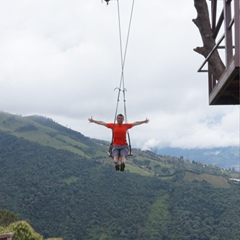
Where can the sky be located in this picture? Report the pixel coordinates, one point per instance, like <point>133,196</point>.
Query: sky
<point>61,59</point>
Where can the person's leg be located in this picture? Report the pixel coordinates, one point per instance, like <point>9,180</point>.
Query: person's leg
<point>122,165</point>
<point>123,154</point>
<point>116,154</point>
<point>115,159</point>
<point>123,159</point>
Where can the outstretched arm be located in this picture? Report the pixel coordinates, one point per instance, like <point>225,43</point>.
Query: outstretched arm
<point>140,122</point>
<point>91,120</point>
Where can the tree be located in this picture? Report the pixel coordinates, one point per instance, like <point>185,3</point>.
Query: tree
<point>22,231</point>
<point>7,217</point>
<point>216,66</point>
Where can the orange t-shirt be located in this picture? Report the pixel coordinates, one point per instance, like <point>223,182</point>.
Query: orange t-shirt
<point>119,132</point>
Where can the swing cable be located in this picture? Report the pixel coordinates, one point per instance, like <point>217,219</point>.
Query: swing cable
<point>239,131</point>
<point>121,84</point>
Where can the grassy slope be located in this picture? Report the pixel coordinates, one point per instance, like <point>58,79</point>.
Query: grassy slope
<point>216,181</point>
<point>33,131</point>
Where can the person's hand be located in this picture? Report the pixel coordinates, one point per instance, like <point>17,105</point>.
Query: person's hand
<point>147,120</point>
<point>90,120</point>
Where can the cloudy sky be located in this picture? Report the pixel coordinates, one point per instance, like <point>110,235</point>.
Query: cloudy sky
<point>61,59</point>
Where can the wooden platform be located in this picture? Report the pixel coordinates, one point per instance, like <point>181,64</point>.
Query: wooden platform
<point>226,92</point>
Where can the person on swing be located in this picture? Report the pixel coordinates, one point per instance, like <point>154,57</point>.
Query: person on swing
<point>120,146</point>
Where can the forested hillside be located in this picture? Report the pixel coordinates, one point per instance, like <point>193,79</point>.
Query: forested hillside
<point>66,186</point>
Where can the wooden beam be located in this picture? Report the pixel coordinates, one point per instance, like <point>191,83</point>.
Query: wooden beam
<point>222,84</point>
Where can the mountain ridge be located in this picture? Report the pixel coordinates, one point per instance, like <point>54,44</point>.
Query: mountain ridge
<point>47,132</point>
<point>223,157</point>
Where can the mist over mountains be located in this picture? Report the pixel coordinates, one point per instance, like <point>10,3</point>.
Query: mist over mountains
<point>227,157</point>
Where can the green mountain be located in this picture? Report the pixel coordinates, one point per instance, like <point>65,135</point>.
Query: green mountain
<point>65,185</point>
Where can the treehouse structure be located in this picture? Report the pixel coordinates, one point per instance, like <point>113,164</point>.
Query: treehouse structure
<point>225,25</point>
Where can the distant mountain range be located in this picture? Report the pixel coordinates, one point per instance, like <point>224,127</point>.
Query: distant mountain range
<point>224,157</point>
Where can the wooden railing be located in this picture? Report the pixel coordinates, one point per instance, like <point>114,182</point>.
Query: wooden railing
<point>231,34</point>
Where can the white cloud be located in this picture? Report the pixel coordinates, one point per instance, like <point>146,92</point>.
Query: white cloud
<point>61,59</point>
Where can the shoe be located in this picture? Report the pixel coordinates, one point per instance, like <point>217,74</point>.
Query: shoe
<point>117,166</point>
<point>122,166</point>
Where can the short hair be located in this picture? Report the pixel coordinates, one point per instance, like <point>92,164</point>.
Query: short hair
<point>120,115</point>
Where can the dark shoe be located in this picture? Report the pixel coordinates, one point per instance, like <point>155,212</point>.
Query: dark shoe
<point>117,166</point>
<point>122,166</point>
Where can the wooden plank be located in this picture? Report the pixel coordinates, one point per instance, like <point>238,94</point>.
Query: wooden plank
<point>6,236</point>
